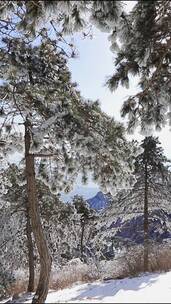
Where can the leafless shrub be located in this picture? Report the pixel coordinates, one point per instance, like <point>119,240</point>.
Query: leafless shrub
<point>74,271</point>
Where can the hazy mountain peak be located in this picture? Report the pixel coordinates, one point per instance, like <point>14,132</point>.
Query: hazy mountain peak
<point>99,201</point>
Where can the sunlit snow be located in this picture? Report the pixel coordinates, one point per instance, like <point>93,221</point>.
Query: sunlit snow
<point>151,288</point>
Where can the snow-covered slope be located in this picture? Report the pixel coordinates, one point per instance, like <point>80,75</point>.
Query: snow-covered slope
<point>151,288</point>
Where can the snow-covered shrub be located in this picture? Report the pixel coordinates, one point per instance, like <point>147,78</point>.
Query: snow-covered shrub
<point>132,261</point>
<point>6,279</point>
<point>110,269</point>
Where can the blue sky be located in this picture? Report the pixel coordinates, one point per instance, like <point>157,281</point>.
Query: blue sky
<point>89,70</point>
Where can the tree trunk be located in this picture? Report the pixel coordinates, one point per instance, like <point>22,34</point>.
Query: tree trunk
<point>45,259</point>
<point>82,238</point>
<point>30,287</point>
<point>146,236</point>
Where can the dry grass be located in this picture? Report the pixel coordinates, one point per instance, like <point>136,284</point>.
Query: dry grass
<point>132,261</point>
<point>160,258</point>
<point>129,264</point>
<point>20,285</point>
<point>17,288</point>
<point>72,273</point>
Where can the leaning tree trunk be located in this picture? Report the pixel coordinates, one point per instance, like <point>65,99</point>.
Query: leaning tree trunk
<point>30,287</point>
<point>45,259</point>
<point>146,232</point>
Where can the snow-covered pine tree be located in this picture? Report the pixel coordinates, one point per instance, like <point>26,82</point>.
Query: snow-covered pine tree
<point>151,191</point>
<point>15,232</point>
<point>63,131</point>
<point>144,48</point>
<point>144,51</point>
<point>17,250</point>
<point>150,170</point>
<point>87,217</point>
<point>69,16</point>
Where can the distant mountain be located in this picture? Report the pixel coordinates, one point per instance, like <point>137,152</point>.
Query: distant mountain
<point>84,191</point>
<point>121,232</point>
<point>99,201</point>
<point>127,230</point>
<point>132,230</point>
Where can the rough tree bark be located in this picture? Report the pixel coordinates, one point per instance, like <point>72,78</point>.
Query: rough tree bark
<point>83,224</point>
<point>146,236</point>
<point>30,287</point>
<point>82,239</point>
<point>45,259</point>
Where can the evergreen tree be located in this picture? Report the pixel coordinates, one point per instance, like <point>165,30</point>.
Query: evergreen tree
<point>144,48</point>
<point>16,236</point>
<point>69,16</point>
<point>150,191</point>
<point>144,51</point>
<point>63,131</point>
<point>17,247</point>
<point>87,216</point>
<point>149,168</point>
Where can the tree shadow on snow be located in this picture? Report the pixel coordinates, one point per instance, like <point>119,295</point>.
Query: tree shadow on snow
<point>99,290</point>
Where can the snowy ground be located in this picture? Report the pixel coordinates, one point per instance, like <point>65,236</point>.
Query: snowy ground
<point>153,288</point>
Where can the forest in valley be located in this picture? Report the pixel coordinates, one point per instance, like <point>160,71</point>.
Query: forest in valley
<point>51,135</point>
